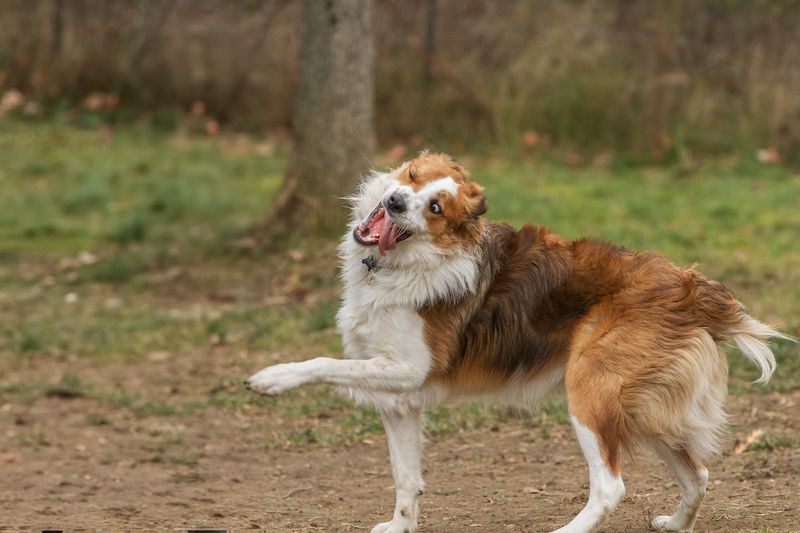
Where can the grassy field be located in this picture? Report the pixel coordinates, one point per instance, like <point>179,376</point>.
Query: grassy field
<point>120,250</point>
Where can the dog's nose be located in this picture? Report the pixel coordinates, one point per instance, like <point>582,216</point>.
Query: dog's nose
<point>396,203</point>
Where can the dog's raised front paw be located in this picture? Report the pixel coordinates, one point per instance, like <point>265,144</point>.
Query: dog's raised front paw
<point>277,379</point>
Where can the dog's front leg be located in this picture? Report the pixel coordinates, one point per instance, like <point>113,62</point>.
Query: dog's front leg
<point>379,373</point>
<point>404,435</point>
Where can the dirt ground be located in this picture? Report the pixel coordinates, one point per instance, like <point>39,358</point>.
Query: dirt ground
<point>118,472</point>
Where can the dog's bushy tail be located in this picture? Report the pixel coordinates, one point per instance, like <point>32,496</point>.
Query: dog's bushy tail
<point>750,336</point>
<point>726,318</point>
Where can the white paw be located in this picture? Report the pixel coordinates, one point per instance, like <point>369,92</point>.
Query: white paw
<point>668,523</point>
<point>277,379</point>
<point>394,527</point>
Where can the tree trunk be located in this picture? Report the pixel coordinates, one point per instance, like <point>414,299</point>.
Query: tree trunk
<point>333,117</point>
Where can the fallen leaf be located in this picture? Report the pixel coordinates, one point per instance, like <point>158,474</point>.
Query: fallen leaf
<point>768,156</point>
<point>531,139</point>
<point>296,255</point>
<point>742,445</point>
<point>11,100</point>
<point>212,128</point>
<point>198,108</point>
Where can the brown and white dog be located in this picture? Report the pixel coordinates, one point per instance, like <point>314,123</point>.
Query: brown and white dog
<point>439,303</point>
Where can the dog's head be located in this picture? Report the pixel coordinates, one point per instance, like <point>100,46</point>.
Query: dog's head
<point>430,198</point>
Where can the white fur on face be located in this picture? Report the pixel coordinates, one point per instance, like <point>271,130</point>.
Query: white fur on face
<point>415,273</point>
<point>418,202</point>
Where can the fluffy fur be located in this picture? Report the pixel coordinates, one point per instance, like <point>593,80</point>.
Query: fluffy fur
<point>467,307</point>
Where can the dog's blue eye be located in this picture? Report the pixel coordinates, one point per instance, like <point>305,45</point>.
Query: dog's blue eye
<point>435,207</point>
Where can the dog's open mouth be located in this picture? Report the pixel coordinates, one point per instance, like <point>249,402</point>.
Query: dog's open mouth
<point>380,229</point>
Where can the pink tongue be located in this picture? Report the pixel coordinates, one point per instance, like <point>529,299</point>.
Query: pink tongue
<point>388,238</point>
<point>393,237</point>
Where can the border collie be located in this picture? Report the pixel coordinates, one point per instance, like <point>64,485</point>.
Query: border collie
<point>439,303</point>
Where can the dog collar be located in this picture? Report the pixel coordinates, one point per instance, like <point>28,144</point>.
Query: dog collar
<point>370,262</point>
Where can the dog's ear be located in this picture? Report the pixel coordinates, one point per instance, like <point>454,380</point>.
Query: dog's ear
<point>477,200</point>
<point>481,208</point>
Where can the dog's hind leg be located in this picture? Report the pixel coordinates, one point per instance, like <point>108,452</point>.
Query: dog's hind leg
<point>404,435</point>
<point>692,478</point>
<point>593,398</point>
<point>696,432</point>
<point>606,488</point>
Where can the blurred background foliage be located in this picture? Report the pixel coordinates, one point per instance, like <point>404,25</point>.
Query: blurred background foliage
<point>651,81</point>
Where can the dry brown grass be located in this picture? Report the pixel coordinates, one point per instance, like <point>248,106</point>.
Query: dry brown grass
<point>659,79</point>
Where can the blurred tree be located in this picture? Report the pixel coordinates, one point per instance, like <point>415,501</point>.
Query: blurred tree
<point>57,21</point>
<point>333,117</point>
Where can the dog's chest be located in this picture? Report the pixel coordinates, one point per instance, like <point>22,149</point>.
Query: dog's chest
<point>370,326</point>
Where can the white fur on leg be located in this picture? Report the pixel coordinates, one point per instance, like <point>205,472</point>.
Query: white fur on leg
<point>605,488</point>
<point>276,379</point>
<point>693,490</point>
<point>378,373</point>
<point>387,352</point>
<point>403,433</point>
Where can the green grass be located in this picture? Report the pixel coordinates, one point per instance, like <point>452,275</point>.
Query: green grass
<point>68,189</point>
<point>70,386</point>
<point>773,441</point>
<point>117,248</point>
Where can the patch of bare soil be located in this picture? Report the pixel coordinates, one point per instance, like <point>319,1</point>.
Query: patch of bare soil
<point>115,470</point>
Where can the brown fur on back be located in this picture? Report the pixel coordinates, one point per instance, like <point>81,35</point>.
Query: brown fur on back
<point>531,295</point>
<point>541,299</point>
